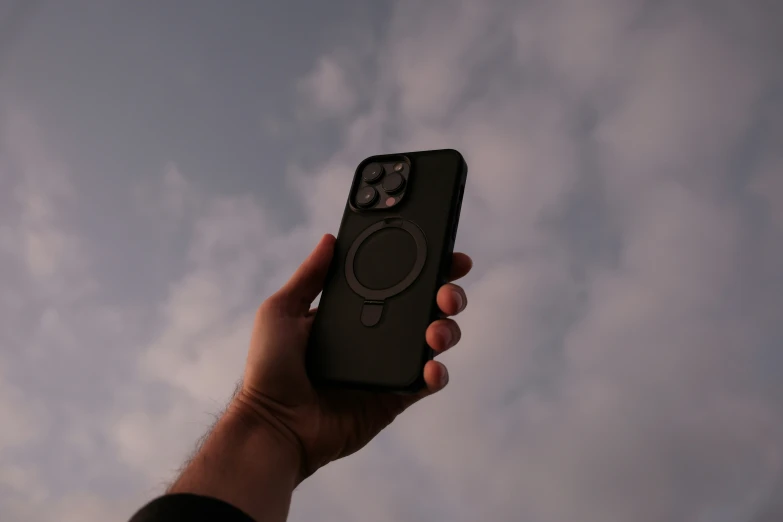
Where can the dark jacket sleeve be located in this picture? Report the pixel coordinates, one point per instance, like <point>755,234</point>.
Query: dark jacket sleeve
<point>184,507</point>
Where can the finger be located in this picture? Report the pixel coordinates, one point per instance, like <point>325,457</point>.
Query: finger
<point>460,266</point>
<point>436,377</point>
<point>451,299</point>
<point>307,282</point>
<point>443,334</point>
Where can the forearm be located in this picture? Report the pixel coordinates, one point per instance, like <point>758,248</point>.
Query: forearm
<point>246,463</point>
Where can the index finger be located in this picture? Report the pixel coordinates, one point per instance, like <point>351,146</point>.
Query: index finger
<point>460,266</point>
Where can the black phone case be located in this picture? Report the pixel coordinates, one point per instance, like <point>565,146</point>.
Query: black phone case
<point>372,336</point>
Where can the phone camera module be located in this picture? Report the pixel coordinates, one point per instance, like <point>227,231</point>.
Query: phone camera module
<point>372,172</point>
<point>393,183</point>
<point>366,197</point>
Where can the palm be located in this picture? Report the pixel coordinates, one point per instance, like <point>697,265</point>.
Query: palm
<point>350,419</point>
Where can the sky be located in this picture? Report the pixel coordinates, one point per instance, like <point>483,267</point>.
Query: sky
<point>166,166</point>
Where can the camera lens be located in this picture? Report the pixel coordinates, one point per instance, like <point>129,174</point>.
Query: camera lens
<point>372,172</point>
<point>393,183</point>
<point>366,197</point>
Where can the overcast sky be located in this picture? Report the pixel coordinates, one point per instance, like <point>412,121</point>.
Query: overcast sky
<point>164,166</point>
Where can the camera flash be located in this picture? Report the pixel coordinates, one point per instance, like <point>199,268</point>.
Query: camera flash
<point>390,202</point>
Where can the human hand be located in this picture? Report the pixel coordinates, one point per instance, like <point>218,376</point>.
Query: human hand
<point>322,425</point>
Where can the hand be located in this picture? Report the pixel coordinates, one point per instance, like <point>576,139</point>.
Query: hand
<point>324,425</point>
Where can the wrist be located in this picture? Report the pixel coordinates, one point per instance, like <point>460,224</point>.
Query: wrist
<point>245,462</point>
<point>246,414</point>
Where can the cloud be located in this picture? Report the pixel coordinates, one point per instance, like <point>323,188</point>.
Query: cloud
<point>49,314</point>
<point>619,354</point>
<point>328,89</point>
<point>24,421</point>
<point>31,231</point>
<point>603,381</point>
<point>236,254</point>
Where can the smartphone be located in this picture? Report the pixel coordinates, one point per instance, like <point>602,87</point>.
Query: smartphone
<point>393,253</point>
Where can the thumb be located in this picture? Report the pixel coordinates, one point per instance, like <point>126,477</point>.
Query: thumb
<point>308,280</point>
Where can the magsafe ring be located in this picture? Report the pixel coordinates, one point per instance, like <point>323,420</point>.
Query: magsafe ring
<point>416,262</point>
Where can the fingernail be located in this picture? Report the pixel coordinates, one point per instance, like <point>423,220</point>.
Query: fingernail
<point>444,377</point>
<point>458,299</point>
<point>446,337</point>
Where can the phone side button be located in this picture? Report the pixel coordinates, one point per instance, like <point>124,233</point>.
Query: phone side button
<point>459,211</point>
